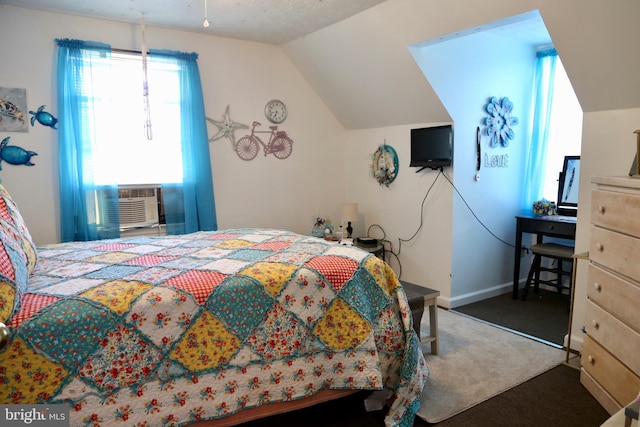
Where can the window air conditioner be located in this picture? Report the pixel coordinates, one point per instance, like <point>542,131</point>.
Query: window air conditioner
<point>138,207</point>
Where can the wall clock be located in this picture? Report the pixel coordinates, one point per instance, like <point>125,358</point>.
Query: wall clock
<point>275,111</point>
<point>385,165</point>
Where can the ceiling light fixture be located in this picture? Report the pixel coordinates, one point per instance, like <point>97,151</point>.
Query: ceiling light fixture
<point>205,24</point>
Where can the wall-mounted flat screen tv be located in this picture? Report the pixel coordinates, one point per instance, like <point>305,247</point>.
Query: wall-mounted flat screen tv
<point>432,147</point>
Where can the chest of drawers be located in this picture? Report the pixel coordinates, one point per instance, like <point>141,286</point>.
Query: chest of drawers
<point>611,352</point>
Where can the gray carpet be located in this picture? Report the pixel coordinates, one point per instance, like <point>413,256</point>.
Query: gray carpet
<point>544,315</point>
<point>477,361</point>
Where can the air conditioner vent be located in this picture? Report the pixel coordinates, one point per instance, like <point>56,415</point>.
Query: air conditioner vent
<point>138,207</point>
<point>133,211</point>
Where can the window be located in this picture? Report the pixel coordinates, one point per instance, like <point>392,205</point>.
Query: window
<point>124,153</point>
<point>103,143</point>
<point>564,133</point>
<point>556,128</point>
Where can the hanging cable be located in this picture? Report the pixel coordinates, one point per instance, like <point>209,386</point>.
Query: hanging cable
<point>205,24</point>
<point>145,85</point>
<point>474,214</point>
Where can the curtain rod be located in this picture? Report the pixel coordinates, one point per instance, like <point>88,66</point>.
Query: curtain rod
<point>113,49</point>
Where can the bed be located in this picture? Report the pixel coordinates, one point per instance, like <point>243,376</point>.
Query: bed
<point>200,329</point>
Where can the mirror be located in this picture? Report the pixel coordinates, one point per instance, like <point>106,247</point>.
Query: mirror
<point>568,184</point>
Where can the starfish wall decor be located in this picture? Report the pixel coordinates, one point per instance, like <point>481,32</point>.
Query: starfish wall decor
<point>226,128</point>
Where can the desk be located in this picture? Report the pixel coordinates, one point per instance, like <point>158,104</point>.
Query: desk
<point>560,226</point>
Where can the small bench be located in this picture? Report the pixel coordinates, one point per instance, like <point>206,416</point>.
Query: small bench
<point>420,297</point>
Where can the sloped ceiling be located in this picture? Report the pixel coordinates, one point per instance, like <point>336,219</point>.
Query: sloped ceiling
<point>355,53</point>
<point>362,68</point>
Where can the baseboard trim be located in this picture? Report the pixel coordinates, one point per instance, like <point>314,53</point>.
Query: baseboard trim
<point>474,296</point>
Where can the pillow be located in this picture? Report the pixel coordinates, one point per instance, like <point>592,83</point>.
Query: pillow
<point>13,271</point>
<point>10,213</point>
<point>17,256</point>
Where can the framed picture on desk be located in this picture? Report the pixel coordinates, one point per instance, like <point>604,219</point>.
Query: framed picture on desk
<point>568,184</point>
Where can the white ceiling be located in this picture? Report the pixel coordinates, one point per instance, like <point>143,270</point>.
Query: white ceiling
<point>373,69</point>
<point>267,21</point>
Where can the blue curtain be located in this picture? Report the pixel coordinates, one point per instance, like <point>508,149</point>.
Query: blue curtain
<point>537,151</point>
<point>83,205</point>
<point>190,206</point>
<point>85,214</point>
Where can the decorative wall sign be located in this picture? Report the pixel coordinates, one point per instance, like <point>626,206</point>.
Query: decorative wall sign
<point>14,155</point>
<point>384,167</point>
<point>496,161</point>
<point>226,128</point>
<point>43,117</point>
<point>500,122</point>
<point>13,106</point>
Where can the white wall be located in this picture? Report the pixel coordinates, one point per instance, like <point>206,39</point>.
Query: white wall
<point>264,192</point>
<point>399,209</point>
<point>480,261</point>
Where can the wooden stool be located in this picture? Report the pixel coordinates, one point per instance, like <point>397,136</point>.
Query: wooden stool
<point>420,297</point>
<point>560,253</point>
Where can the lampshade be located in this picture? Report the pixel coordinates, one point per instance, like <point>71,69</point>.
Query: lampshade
<point>350,212</point>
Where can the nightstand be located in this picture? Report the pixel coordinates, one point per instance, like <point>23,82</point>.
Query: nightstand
<point>377,249</point>
<point>420,297</point>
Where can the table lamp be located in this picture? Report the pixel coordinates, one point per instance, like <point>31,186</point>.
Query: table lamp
<point>349,215</point>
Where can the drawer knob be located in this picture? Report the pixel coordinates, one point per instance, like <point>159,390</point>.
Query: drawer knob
<point>601,209</point>
<point>599,247</point>
<point>597,286</point>
<point>595,324</point>
<point>590,359</point>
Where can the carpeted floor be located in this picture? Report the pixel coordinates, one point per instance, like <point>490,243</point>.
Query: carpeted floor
<point>544,315</point>
<point>477,361</point>
<point>555,398</point>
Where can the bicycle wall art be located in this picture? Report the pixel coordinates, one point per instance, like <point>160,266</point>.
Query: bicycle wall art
<point>247,147</point>
<point>279,144</point>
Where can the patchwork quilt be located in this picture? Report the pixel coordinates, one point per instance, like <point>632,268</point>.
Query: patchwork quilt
<point>167,331</point>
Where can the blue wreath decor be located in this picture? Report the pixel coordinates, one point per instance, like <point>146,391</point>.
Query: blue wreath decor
<point>500,122</point>
<point>385,165</point>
